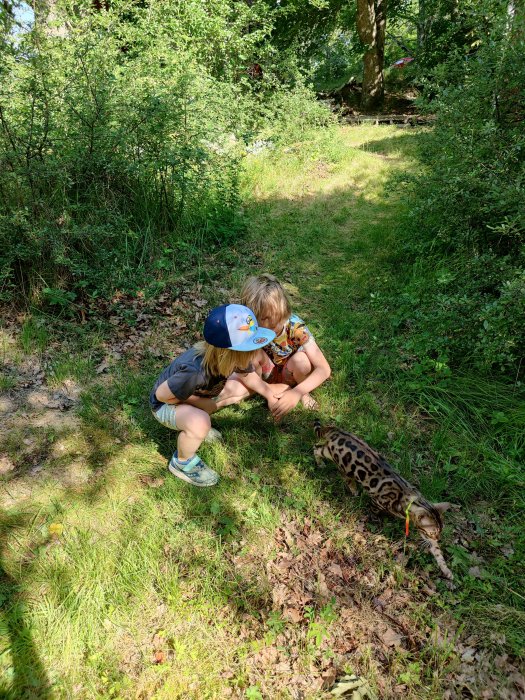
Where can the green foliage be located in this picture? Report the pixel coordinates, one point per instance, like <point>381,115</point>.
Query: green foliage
<point>289,116</point>
<point>34,336</point>
<point>467,232</point>
<point>444,27</point>
<point>108,153</point>
<point>336,61</point>
<point>121,138</point>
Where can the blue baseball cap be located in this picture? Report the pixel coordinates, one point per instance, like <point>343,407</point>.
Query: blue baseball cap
<point>234,326</point>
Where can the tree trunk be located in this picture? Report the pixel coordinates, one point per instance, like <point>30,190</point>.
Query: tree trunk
<point>371,24</point>
<point>422,26</point>
<point>47,17</point>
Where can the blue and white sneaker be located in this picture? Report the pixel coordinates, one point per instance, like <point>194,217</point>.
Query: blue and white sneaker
<point>194,471</point>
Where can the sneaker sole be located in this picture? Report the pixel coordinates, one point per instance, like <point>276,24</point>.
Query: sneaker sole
<point>181,475</point>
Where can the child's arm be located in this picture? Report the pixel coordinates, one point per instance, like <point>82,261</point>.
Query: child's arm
<point>165,395</point>
<point>253,382</point>
<point>320,373</point>
<point>241,384</point>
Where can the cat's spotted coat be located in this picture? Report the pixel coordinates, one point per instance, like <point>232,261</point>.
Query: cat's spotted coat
<point>360,464</point>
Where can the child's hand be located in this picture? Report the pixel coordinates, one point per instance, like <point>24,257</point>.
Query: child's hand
<point>274,391</point>
<point>287,400</point>
<point>272,402</point>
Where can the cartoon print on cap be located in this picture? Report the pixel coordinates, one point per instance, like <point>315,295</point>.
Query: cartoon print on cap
<point>249,325</point>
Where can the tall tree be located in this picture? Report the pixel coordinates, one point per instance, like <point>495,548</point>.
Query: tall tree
<point>371,25</point>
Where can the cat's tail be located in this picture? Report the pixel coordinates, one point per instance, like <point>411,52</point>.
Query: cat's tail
<point>322,430</point>
<point>318,428</point>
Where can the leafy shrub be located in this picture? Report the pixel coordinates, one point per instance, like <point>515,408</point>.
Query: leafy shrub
<point>108,156</point>
<point>121,138</point>
<point>467,228</point>
<point>336,61</point>
<point>290,114</point>
<point>501,337</point>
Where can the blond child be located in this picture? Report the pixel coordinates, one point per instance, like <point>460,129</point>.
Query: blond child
<point>181,398</point>
<point>292,363</point>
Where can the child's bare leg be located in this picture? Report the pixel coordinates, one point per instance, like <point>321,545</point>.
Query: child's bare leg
<point>193,425</point>
<point>296,370</point>
<point>234,390</point>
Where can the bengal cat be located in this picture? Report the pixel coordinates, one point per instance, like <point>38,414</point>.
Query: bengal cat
<point>360,464</point>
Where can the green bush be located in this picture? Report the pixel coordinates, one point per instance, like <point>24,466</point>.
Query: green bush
<point>289,114</point>
<point>501,336</point>
<point>109,156</point>
<point>121,135</point>
<point>467,224</point>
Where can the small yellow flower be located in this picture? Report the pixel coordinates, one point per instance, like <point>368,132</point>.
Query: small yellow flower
<point>55,529</point>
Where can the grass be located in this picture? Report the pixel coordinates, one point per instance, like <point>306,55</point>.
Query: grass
<point>140,595</point>
<point>33,336</point>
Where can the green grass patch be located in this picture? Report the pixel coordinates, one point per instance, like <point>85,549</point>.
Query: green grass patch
<point>33,335</point>
<point>141,592</point>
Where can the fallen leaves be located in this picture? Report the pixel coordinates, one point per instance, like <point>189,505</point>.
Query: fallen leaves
<point>353,688</point>
<point>102,367</point>
<point>47,399</point>
<point>390,638</point>
<point>324,597</point>
<point>153,482</point>
<point>6,464</point>
<point>199,302</point>
<point>476,572</point>
<point>159,644</point>
<point>469,655</point>
<point>159,657</point>
<point>143,326</point>
<point>307,570</point>
<point>330,606</point>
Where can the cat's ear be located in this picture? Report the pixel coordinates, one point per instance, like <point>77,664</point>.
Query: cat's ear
<point>442,507</point>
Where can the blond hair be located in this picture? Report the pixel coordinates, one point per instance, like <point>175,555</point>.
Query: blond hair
<point>265,295</point>
<point>221,362</point>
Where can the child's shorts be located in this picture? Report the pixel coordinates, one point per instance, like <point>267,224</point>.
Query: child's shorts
<point>277,374</point>
<point>166,416</point>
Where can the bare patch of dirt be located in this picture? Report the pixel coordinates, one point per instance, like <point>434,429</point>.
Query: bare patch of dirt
<point>332,609</point>
<point>33,415</point>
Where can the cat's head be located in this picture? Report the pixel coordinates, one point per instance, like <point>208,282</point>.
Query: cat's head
<point>427,518</point>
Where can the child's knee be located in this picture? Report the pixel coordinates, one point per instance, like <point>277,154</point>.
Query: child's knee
<point>197,423</point>
<point>233,392</point>
<point>299,365</point>
<point>202,423</point>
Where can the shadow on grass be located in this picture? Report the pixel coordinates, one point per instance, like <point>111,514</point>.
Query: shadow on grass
<point>29,679</point>
<point>404,145</point>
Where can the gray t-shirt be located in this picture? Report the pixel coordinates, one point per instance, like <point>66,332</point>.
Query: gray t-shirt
<point>186,376</point>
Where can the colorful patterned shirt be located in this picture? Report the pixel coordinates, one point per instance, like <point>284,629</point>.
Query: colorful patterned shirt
<point>293,337</point>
